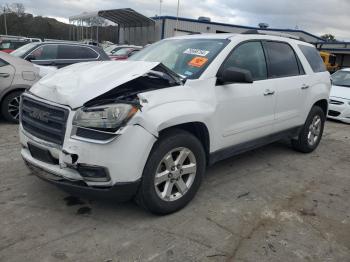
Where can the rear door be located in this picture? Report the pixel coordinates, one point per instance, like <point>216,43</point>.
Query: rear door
<point>7,73</point>
<point>245,111</point>
<point>287,77</point>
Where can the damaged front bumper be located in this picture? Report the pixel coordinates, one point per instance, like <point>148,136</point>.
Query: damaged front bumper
<point>120,191</point>
<point>120,161</point>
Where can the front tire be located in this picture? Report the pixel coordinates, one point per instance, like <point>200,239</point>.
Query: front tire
<point>10,107</point>
<point>311,133</point>
<point>173,172</point>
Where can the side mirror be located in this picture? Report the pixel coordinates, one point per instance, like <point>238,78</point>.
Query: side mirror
<point>30,57</point>
<point>235,75</point>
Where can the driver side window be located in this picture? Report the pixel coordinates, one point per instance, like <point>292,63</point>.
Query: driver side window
<point>46,52</point>
<point>249,56</point>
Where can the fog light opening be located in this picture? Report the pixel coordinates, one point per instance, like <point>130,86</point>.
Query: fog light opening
<point>93,173</point>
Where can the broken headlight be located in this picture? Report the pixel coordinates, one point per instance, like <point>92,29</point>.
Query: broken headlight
<point>105,118</point>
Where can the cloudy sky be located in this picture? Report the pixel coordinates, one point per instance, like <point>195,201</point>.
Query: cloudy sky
<point>315,16</point>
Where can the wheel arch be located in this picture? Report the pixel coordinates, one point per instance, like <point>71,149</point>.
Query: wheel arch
<point>11,90</point>
<point>198,129</point>
<point>323,104</point>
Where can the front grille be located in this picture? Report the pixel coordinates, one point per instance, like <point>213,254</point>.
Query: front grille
<point>336,102</point>
<point>333,113</point>
<point>44,121</point>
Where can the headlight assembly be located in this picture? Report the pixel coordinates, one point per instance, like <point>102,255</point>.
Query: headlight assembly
<point>106,117</point>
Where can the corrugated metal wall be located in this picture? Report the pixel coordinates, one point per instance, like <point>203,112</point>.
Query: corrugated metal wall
<point>139,35</point>
<point>199,27</point>
<point>146,35</point>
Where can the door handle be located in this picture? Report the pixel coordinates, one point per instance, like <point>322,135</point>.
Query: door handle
<point>4,75</point>
<point>304,87</point>
<point>269,92</point>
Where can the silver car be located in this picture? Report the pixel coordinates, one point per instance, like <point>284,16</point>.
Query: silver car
<point>16,75</point>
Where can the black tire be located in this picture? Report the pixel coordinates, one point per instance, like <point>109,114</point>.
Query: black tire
<point>302,144</point>
<point>147,196</point>
<point>7,106</point>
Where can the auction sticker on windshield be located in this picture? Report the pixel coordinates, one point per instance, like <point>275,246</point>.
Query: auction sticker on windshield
<point>197,52</point>
<point>198,61</point>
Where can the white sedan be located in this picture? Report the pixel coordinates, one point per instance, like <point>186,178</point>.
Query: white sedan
<point>339,103</point>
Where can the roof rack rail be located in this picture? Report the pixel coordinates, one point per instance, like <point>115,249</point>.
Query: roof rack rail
<point>272,33</point>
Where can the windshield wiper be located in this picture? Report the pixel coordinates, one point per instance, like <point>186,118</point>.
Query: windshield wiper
<point>175,76</point>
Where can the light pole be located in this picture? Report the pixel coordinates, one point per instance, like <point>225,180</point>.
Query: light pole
<point>5,20</point>
<point>177,15</point>
<point>160,7</point>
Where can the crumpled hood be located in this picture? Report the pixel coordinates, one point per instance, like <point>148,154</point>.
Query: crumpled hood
<point>340,91</point>
<point>76,84</point>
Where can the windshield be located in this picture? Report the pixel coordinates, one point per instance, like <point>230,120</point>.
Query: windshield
<point>23,49</point>
<point>122,51</point>
<point>341,78</point>
<point>186,57</point>
<point>110,48</point>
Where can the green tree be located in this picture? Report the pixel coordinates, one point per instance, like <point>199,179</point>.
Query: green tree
<point>328,37</point>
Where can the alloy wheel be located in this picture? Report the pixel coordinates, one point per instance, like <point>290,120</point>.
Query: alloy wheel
<point>314,130</point>
<point>175,174</point>
<point>13,107</point>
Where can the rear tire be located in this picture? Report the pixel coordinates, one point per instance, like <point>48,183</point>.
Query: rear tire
<point>10,107</point>
<point>311,133</point>
<point>173,173</point>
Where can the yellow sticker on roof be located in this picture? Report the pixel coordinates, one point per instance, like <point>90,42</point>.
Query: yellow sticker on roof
<point>198,61</point>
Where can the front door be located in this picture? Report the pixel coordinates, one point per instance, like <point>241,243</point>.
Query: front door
<point>245,111</point>
<point>45,55</point>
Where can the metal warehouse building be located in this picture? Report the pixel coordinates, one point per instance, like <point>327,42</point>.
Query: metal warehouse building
<point>166,27</point>
<point>135,28</point>
<point>340,49</point>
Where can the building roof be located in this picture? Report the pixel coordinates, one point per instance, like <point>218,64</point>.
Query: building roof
<point>319,39</point>
<point>126,17</point>
<point>334,47</point>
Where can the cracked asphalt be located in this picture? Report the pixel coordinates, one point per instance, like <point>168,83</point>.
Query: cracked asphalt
<point>271,204</point>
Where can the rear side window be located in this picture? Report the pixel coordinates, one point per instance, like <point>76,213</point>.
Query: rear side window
<point>75,52</point>
<point>249,56</point>
<point>313,57</point>
<point>88,53</point>
<point>282,60</point>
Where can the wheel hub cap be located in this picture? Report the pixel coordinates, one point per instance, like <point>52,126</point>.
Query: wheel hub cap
<point>314,130</point>
<point>13,107</point>
<point>175,174</point>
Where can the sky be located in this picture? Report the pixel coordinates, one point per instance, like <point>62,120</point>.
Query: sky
<point>314,16</point>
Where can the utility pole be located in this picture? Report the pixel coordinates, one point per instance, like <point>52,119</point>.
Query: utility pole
<point>5,19</point>
<point>177,15</point>
<point>160,7</point>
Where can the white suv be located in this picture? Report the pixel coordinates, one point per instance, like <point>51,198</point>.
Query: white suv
<point>148,127</point>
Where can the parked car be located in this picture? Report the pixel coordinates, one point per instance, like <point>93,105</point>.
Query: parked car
<point>111,49</point>
<point>148,127</point>
<point>124,52</point>
<point>9,45</point>
<point>59,54</point>
<point>16,75</point>
<point>339,103</point>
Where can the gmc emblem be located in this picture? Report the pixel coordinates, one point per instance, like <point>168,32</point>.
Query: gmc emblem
<point>39,114</point>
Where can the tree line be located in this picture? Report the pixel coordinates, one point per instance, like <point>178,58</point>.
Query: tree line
<point>20,23</point>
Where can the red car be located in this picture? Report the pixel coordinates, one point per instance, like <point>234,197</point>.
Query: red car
<point>124,53</point>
